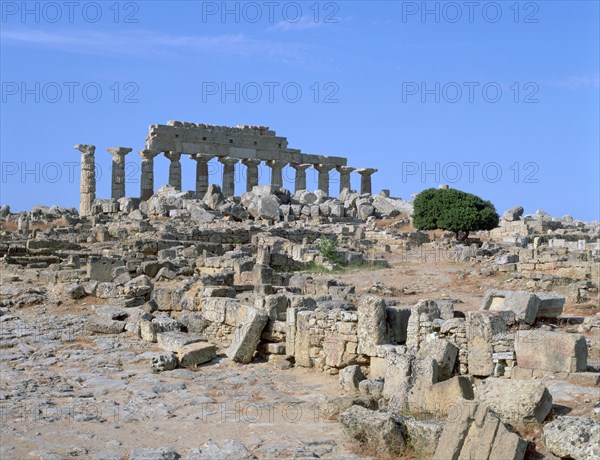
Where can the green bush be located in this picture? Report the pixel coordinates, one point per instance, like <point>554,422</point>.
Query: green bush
<point>328,248</point>
<point>454,211</point>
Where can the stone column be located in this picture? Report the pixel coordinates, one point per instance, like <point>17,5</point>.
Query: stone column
<point>228,175</point>
<point>118,171</point>
<point>300,182</point>
<point>174,170</point>
<point>365,180</point>
<point>251,173</point>
<point>324,177</point>
<point>147,180</point>
<point>201,172</point>
<point>87,185</point>
<point>345,176</point>
<point>276,168</point>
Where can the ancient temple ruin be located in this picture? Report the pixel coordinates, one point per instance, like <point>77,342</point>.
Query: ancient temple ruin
<point>249,145</point>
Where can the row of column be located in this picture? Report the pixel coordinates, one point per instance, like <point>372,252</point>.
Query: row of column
<point>88,177</point>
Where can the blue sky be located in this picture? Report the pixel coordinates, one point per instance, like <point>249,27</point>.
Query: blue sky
<point>500,99</point>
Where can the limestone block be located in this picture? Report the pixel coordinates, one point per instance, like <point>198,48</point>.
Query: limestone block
<point>573,437</point>
<point>397,380</point>
<point>105,325</point>
<point>476,432</point>
<point>443,352</point>
<point>515,401</point>
<point>174,340</point>
<point>247,335</point>
<point>372,326</point>
<point>196,353</point>
<point>439,398</point>
<point>524,304</point>
<point>350,378</point>
<point>377,430</point>
<point>551,305</point>
<point>551,351</point>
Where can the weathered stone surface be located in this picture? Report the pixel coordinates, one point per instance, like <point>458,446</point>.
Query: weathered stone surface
<point>573,437</point>
<point>196,353</point>
<point>481,327</point>
<point>439,398</point>
<point>137,287</point>
<point>350,378</point>
<point>524,304</point>
<point>226,449</point>
<point>515,401</point>
<point>371,324</point>
<point>371,387</point>
<point>397,380</point>
<point>513,213</point>
<point>164,362</point>
<point>105,325</point>
<point>174,340</point>
<point>477,433</point>
<point>551,351</point>
<point>160,453</point>
<point>247,335</point>
<point>379,431</point>
<point>421,435</point>
<point>444,353</point>
<point>551,305</point>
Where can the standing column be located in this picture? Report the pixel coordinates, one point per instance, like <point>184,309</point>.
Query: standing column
<point>345,176</point>
<point>147,181</point>
<point>228,175</point>
<point>365,180</point>
<point>300,181</point>
<point>118,171</point>
<point>251,173</point>
<point>174,170</point>
<point>202,172</point>
<point>324,177</point>
<point>276,168</point>
<point>87,185</point>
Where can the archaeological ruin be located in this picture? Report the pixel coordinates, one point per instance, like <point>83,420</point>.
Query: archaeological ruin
<point>248,145</point>
<point>161,323</point>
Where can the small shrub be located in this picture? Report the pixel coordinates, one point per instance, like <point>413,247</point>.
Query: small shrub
<point>328,248</point>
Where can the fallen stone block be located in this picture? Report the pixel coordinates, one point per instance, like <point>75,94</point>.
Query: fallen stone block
<point>551,305</point>
<point>551,351</point>
<point>350,377</point>
<point>247,335</point>
<point>112,312</point>
<point>524,304</point>
<point>475,432</point>
<point>336,406</point>
<point>397,381</point>
<point>195,354</point>
<point>440,398</point>
<point>149,330</point>
<point>444,353</point>
<point>371,387</point>
<point>104,325</point>
<point>138,287</point>
<point>75,291</point>
<point>164,362</point>
<point>515,401</point>
<point>379,431</point>
<point>174,340</point>
<point>573,437</point>
<point>421,435</point>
